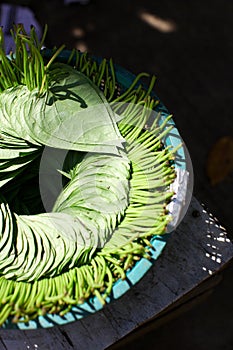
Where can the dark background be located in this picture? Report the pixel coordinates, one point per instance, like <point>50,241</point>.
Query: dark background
<point>188,45</point>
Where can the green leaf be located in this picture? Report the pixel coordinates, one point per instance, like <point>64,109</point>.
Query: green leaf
<point>73,114</point>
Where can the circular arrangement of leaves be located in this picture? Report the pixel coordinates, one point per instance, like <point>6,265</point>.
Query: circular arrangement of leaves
<point>58,250</point>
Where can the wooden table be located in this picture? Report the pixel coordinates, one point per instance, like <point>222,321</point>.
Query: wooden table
<point>189,266</point>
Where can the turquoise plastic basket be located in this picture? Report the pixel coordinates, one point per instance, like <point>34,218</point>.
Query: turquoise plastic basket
<point>124,79</point>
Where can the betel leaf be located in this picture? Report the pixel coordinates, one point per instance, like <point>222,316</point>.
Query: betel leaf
<point>73,114</point>
<point>109,206</point>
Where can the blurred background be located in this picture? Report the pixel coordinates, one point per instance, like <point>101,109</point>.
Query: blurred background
<point>188,46</point>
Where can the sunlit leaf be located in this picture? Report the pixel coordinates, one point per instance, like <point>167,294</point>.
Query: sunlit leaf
<point>73,114</point>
